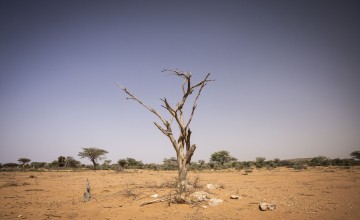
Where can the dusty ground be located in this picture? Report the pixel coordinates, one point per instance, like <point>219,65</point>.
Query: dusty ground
<point>318,193</point>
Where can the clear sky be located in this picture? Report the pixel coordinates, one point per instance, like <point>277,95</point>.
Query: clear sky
<point>287,77</point>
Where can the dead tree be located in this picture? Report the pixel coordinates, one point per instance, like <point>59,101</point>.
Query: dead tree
<point>182,145</point>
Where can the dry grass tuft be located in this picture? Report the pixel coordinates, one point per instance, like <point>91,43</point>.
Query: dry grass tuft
<point>129,192</point>
<point>172,183</point>
<point>10,184</point>
<point>195,183</point>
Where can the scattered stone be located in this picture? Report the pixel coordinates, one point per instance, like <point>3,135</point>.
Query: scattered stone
<point>264,206</point>
<point>32,176</point>
<point>200,196</point>
<point>215,202</point>
<point>154,196</point>
<point>212,186</point>
<point>271,207</point>
<point>234,197</point>
<point>87,193</point>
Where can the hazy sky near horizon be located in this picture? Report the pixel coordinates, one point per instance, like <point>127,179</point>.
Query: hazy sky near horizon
<point>287,77</point>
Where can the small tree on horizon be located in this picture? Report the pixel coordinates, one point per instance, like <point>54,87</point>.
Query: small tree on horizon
<point>93,154</point>
<point>106,164</point>
<point>24,161</point>
<point>61,161</point>
<point>260,162</point>
<point>71,162</point>
<point>122,164</point>
<point>222,157</point>
<point>355,155</point>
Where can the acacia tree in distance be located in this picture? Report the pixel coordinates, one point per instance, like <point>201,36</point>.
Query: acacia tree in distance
<point>222,157</point>
<point>355,155</point>
<point>93,154</point>
<point>182,145</point>
<point>24,161</point>
<point>61,161</point>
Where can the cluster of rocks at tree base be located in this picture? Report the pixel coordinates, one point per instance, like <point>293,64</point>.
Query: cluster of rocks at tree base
<point>201,196</point>
<point>264,206</point>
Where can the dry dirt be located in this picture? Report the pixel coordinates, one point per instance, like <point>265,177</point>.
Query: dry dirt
<point>317,193</point>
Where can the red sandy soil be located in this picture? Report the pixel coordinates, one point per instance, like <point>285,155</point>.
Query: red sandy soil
<point>315,193</point>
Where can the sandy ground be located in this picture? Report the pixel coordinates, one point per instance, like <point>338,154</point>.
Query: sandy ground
<point>317,193</point>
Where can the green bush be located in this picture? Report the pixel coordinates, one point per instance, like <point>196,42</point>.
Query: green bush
<point>10,165</point>
<point>260,162</point>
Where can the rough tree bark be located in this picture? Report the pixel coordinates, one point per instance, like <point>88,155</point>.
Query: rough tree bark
<point>182,145</point>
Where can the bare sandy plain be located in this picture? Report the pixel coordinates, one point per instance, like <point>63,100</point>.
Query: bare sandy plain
<point>315,193</point>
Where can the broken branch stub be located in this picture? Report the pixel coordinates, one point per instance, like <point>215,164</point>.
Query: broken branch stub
<point>87,193</point>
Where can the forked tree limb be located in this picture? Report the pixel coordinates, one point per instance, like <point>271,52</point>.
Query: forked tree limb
<point>141,103</point>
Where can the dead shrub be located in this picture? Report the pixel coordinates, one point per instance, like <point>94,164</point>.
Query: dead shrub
<point>129,192</point>
<point>172,183</point>
<point>10,184</point>
<point>196,183</point>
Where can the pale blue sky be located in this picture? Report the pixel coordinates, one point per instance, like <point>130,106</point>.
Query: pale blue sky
<point>287,77</point>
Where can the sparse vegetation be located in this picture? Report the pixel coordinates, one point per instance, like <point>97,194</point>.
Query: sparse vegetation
<point>226,161</point>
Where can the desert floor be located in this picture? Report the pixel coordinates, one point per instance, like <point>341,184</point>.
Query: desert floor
<point>315,193</point>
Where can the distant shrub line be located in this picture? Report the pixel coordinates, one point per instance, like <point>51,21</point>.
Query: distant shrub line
<point>69,163</point>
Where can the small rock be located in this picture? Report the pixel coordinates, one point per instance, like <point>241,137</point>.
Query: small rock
<point>215,202</point>
<point>271,207</point>
<point>234,197</point>
<point>19,216</point>
<point>154,196</point>
<point>264,206</point>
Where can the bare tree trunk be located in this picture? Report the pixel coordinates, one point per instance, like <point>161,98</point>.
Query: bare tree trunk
<point>94,162</point>
<point>182,177</point>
